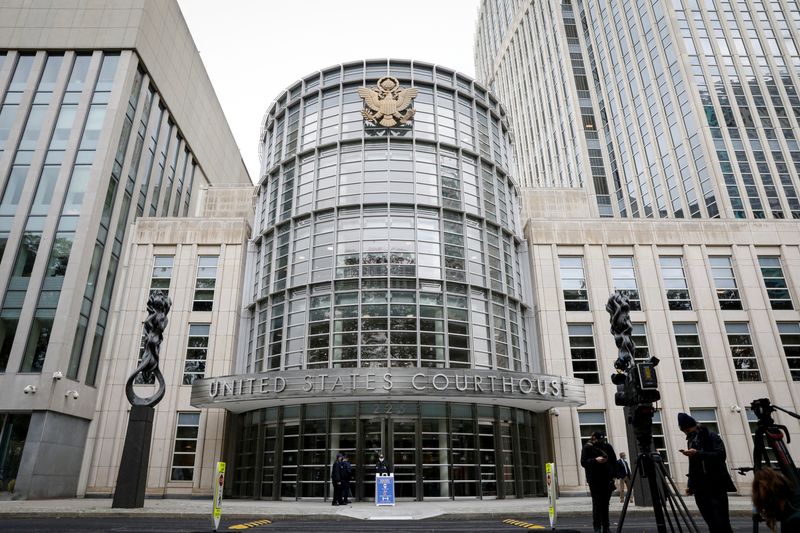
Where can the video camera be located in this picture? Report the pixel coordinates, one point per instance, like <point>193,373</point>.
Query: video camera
<point>637,384</point>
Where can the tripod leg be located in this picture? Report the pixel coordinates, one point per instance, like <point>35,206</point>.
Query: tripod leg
<point>672,490</point>
<point>622,514</point>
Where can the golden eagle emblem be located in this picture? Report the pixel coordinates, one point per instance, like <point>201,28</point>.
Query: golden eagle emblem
<point>387,104</point>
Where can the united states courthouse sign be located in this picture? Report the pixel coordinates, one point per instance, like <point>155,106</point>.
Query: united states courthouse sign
<point>244,392</point>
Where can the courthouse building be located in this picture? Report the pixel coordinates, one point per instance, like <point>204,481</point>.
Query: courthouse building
<point>388,296</point>
<point>657,155</point>
<point>100,128</point>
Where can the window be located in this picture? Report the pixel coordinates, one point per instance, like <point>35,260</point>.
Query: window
<point>725,283</point>
<point>573,283</point>
<point>674,279</point>
<point>706,417</point>
<point>742,352</point>
<point>206,282</point>
<point>196,353</point>
<point>659,441</point>
<point>185,447</point>
<point>775,282</point>
<point>624,280</point>
<point>639,338</point>
<point>162,274</point>
<point>790,340</point>
<point>581,348</point>
<point>589,422</point>
<point>690,353</point>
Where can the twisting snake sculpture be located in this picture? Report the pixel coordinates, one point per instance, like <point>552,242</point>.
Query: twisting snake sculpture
<point>617,306</point>
<point>157,307</point>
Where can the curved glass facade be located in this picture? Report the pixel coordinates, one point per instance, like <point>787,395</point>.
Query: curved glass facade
<point>387,246</point>
<point>434,449</point>
<point>381,247</point>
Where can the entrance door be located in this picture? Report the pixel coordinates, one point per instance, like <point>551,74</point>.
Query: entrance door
<point>373,439</point>
<point>407,475</point>
<point>397,439</point>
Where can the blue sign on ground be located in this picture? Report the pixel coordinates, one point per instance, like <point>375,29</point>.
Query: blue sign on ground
<point>384,489</point>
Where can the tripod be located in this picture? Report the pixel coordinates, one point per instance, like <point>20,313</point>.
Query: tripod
<point>771,433</point>
<point>668,506</point>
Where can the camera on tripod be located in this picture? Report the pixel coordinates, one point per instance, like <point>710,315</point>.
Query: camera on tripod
<point>637,390</point>
<point>636,384</point>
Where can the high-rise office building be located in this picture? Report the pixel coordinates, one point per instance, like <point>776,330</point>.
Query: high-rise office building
<point>388,296</point>
<point>657,150</point>
<point>99,127</point>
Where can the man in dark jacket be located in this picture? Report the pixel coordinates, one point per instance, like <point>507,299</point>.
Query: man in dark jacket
<point>348,476</point>
<point>381,467</point>
<point>600,462</point>
<point>709,480</point>
<point>338,476</point>
<point>623,475</point>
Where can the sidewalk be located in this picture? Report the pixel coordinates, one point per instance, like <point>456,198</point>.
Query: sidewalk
<point>308,510</point>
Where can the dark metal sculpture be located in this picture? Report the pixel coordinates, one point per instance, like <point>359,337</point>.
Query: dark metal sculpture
<point>157,306</point>
<point>619,309</point>
<point>132,477</point>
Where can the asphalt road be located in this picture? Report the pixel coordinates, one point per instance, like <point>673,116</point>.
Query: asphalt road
<point>176,525</point>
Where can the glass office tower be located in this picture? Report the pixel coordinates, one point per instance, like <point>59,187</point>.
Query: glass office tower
<point>658,155</point>
<point>675,109</point>
<point>390,298</point>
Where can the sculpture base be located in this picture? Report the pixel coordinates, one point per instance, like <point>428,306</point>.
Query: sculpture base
<point>132,477</point>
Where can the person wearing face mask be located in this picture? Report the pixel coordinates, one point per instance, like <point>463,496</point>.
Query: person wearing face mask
<point>381,467</point>
<point>600,462</point>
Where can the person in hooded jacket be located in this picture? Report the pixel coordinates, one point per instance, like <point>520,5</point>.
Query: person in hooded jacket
<point>600,462</point>
<point>709,480</point>
<point>338,476</point>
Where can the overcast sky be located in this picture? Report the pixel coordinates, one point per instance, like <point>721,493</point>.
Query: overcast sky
<point>255,49</point>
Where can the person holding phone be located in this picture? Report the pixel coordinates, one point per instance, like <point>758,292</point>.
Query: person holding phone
<point>709,481</point>
<point>600,462</point>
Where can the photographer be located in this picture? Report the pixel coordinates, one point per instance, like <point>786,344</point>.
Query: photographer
<point>709,480</point>
<point>600,462</point>
<point>776,500</point>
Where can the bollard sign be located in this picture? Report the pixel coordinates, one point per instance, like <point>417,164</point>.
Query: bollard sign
<point>219,483</point>
<point>550,472</point>
<point>384,489</point>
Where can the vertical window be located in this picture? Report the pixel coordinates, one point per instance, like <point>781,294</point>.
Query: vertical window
<point>639,338</point>
<point>573,283</point>
<point>725,283</point>
<point>162,274</point>
<point>706,417</point>
<point>589,422</point>
<point>659,441</point>
<point>196,353</point>
<point>581,348</point>
<point>742,352</point>
<point>674,278</point>
<point>624,279</point>
<point>185,447</point>
<point>690,353</point>
<point>775,282</point>
<point>790,340</point>
<point>206,282</point>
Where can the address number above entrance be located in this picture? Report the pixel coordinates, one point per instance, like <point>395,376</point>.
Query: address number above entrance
<point>244,392</point>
